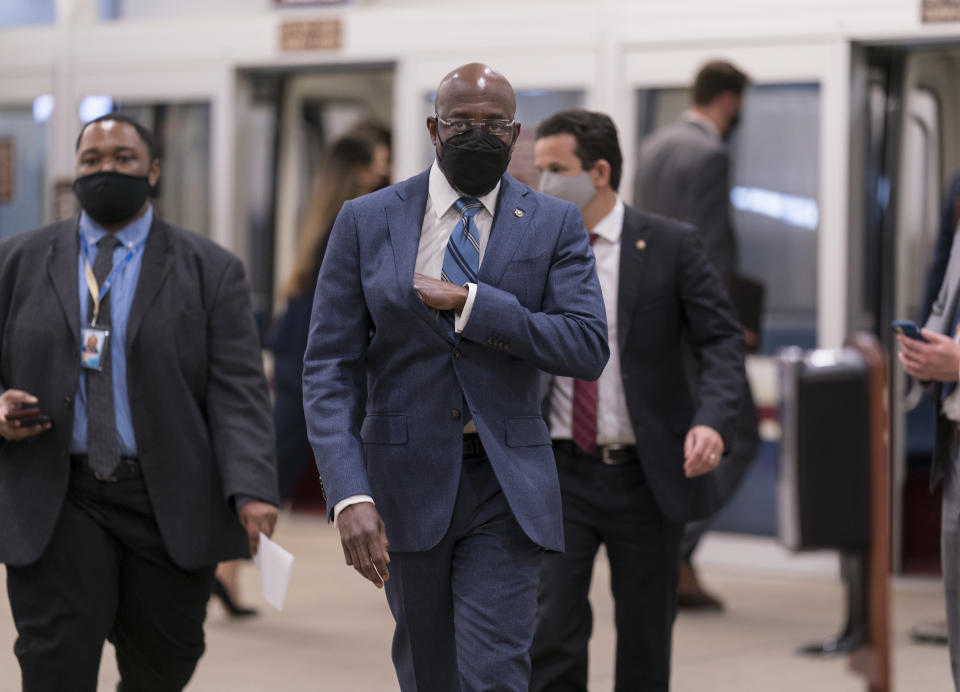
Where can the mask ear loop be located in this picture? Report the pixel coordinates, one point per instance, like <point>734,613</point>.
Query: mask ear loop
<point>436,125</point>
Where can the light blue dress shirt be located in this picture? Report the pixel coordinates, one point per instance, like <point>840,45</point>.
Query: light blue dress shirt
<point>121,298</point>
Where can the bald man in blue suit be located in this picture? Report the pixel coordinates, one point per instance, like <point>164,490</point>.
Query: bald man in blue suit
<point>421,390</point>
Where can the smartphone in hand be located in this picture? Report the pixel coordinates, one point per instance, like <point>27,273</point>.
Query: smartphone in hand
<point>28,415</point>
<point>908,328</point>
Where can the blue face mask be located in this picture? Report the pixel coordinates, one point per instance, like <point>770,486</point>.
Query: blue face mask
<point>573,188</point>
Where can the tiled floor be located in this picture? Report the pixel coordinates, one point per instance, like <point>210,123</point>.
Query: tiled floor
<point>334,634</point>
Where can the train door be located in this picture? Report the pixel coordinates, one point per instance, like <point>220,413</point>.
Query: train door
<point>906,155</point>
<point>780,199</point>
<point>285,116</point>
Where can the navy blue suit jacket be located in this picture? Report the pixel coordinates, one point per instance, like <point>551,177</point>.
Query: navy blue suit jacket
<point>387,387</point>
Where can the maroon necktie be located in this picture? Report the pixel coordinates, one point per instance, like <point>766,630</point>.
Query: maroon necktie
<point>585,407</point>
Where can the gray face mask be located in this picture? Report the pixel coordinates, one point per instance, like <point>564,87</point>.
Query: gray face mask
<point>573,188</point>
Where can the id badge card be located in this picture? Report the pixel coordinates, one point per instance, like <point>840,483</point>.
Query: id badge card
<point>94,342</point>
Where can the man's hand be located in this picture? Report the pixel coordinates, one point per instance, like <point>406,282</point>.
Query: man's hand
<point>701,450</point>
<point>364,541</point>
<point>256,517</point>
<point>11,429</point>
<point>937,360</point>
<point>440,295</point>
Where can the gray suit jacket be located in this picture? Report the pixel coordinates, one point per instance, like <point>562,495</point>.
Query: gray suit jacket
<point>198,396</point>
<point>684,174</point>
<point>941,320</point>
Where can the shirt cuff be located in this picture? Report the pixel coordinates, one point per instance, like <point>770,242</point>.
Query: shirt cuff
<point>346,502</point>
<point>460,323</point>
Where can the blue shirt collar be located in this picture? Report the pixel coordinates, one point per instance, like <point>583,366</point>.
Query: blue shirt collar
<point>131,235</point>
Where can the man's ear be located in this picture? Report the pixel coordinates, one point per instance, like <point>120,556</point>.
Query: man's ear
<point>432,129</point>
<point>153,175</point>
<point>600,173</point>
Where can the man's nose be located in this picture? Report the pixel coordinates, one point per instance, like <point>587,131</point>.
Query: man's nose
<point>107,164</point>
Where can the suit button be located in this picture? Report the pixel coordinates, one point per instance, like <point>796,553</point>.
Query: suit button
<point>67,401</point>
<point>455,414</point>
<point>457,353</point>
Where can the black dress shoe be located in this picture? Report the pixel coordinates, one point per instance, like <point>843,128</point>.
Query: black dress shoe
<point>236,611</point>
<point>691,595</point>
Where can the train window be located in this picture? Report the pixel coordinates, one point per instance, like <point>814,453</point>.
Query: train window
<point>533,106</point>
<point>774,198</point>
<point>182,136</point>
<point>919,213</point>
<point>27,12</point>
<point>23,152</point>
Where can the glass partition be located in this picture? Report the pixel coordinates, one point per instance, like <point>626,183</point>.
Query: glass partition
<point>774,198</point>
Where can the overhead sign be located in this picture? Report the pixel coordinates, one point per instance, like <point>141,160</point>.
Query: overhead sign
<point>941,10</point>
<point>312,34</point>
<point>8,170</point>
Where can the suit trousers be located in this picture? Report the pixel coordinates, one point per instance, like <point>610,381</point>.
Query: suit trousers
<point>950,556</point>
<point>106,574</point>
<point>464,609</point>
<point>613,506</point>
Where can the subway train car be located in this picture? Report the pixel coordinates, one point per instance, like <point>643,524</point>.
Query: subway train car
<point>850,134</point>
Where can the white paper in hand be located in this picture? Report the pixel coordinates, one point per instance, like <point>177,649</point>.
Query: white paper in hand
<point>275,565</point>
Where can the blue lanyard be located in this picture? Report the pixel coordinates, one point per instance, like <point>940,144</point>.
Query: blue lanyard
<point>98,295</point>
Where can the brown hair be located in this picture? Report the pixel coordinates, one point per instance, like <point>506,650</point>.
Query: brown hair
<point>715,78</point>
<point>334,184</point>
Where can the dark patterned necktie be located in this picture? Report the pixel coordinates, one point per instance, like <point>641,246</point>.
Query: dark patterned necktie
<point>103,449</point>
<point>461,261</point>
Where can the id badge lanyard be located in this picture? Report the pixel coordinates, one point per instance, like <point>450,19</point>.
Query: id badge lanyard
<point>97,293</point>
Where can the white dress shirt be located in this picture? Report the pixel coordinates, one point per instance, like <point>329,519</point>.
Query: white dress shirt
<point>439,219</point>
<point>613,419</point>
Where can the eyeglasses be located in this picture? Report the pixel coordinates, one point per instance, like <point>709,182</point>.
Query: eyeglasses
<point>499,128</point>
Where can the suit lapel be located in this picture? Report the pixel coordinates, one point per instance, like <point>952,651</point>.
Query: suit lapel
<point>514,210</point>
<point>153,270</point>
<point>62,270</point>
<point>405,221</point>
<point>633,256</point>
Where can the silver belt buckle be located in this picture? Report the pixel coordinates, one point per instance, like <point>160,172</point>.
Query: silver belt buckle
<point>605,454</point>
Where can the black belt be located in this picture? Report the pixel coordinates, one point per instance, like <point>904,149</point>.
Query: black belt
<point>609,455</point>
<point>472,447</point>
<point>128,469</point>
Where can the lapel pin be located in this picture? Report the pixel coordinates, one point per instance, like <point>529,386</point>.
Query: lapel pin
<point>518,213</point>
<point>641,245</point>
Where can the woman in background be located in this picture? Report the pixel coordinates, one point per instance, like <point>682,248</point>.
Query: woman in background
<point>353,165</point>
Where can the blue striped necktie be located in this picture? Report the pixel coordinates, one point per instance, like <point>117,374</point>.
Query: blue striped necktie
<point>461,261</point>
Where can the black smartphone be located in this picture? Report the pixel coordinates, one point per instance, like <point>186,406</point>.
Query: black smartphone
<point>908,328</point>
<point>28,415</point>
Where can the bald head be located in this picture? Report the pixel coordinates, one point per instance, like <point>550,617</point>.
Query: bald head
<point>475,85</point>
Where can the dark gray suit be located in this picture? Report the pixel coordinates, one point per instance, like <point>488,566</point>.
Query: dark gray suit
<point>200,411</point>
<point>684,173</point>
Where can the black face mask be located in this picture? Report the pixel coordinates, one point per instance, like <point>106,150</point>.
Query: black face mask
<point>474,161</point>
<point>111,198</point>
